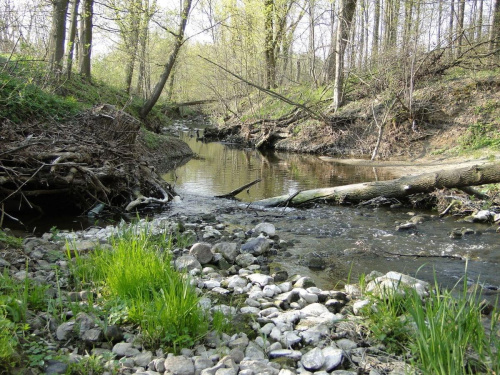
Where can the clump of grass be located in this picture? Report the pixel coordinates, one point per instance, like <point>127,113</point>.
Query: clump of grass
<point>137,274</point>
<point>11,241</point>
<point>479,136</point>
<point>442,334</point>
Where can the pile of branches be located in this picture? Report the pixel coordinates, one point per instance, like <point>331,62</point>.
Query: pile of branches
<point>88,161</point>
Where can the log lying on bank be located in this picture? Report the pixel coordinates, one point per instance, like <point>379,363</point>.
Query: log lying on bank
<point>402,187</point>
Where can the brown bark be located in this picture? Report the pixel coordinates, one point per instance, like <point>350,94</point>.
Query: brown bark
<point>399,188</point>
<point>179,40</point>
<point>86,38</point>
<point>57,35</point>
<point>72,36</point>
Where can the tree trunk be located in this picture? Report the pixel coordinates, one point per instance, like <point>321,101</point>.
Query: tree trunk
<point>460,26</point>
<point>399,188</point>
<point>143,76</point>
<point>72,36</point>
<point>312,44</point>
<point>495,27</point>
<point>440,20</point>
<point>376,27</point>
<point>347,8</point>
<point>269,45</point>
<point>450,28</point>
<point>179,40</point>
<point>480,22</point>
<point>130,35</point>
<point>86,38</point>
<point>57,35</point>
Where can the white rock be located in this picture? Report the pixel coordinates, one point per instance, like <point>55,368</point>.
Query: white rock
<point>266,228</point>
<point>333,358</point>
<point>260,279</point>
<point>313,360</point>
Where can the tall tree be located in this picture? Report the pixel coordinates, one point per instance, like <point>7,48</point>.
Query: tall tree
<point>72,36</point>
<point>57,35</point>
<point>86,38</point>
<point>391,23</point>
<point>495,27</point>
<point>347,9</point>
<point>178,42</point>
<point>460,25</point>
<point>269,45</point>
<point>376,27</point>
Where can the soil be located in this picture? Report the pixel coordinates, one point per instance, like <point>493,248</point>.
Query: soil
<point>428,139</point>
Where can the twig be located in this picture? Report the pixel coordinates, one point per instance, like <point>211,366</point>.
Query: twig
<point>239,190</point>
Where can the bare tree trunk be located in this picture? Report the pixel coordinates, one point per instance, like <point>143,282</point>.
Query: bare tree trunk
<point>179,40</point>
<point>86,39</point>
<point>72,36</point>
<point>347,9</point>
<point>329,69</point>
<point>269,44</point>
<point>440,20</point>
<point>312,44</point>
<point>131,39</point>
<point>495,27</point>
<point>480,21</point>
<point>142,85</point>
<point>376,27</point>
<point>58,35</point>
<point>399,188</point>
<point>460,26</point>
<point>450,28</point>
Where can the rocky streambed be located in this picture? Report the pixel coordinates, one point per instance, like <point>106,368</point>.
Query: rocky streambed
<point>283,323</point>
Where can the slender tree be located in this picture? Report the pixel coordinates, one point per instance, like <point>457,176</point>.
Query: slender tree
<point>376,27</point>
<point>495,28</point>
<point>57,35</point>
<point>269,44</point>
<point>167,69</point>
<point>86,38</point>
<point>347,8</point>
<point>72,36</point>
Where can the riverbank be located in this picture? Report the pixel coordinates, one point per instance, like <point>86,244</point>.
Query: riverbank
<point>274,322</point>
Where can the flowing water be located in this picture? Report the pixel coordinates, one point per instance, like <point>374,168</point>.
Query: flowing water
<point>340,242</point>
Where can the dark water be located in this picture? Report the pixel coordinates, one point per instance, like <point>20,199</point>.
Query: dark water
<point>349,240</point>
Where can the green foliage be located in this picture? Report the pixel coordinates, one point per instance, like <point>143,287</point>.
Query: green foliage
<point>10,241</point>
<point>479,136</point>
<point>8,339</point>
<point>136,277</point>
<point>443,333</point>
<point>22,100</point>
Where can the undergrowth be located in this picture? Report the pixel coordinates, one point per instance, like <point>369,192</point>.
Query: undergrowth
<point>441,334</point>
<point>137,277</point>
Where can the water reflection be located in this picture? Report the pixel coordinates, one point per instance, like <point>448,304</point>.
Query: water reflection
<point>223,168</point>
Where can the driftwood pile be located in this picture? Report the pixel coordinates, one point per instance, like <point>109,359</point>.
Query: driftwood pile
<point>91,160</point>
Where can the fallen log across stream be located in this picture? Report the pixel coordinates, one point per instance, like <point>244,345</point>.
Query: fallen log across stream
<point>475,175</point>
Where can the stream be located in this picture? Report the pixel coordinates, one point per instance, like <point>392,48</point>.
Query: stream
<point>331,244</point>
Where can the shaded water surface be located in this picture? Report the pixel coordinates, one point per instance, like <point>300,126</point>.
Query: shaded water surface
<point>346,240</point>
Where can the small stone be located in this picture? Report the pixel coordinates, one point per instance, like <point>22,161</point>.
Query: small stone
<point>260,279</point>
<point>255,246</point>
<point>229,250</point>
<point>245,260</point>
<point>287,353</point>
<point>125,349</point>
<point>65,331</point>
<point>92,335</point>
<point>313,360</point>
<point>304,282</point>
<point>187,263</point>
<point>202,252</point>
<point>179,365</point>
<point>113,333</point>
<point>56,367</point>
<point>333,358</point>
<point>143,359</point>
<point>253,351</point>
<point>266,228</point>
<point>346,344</point>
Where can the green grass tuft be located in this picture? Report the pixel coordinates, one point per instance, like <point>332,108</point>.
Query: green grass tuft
<point>137,275</point>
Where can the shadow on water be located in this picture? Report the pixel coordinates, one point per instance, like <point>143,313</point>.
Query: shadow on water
<point>331,243</point>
